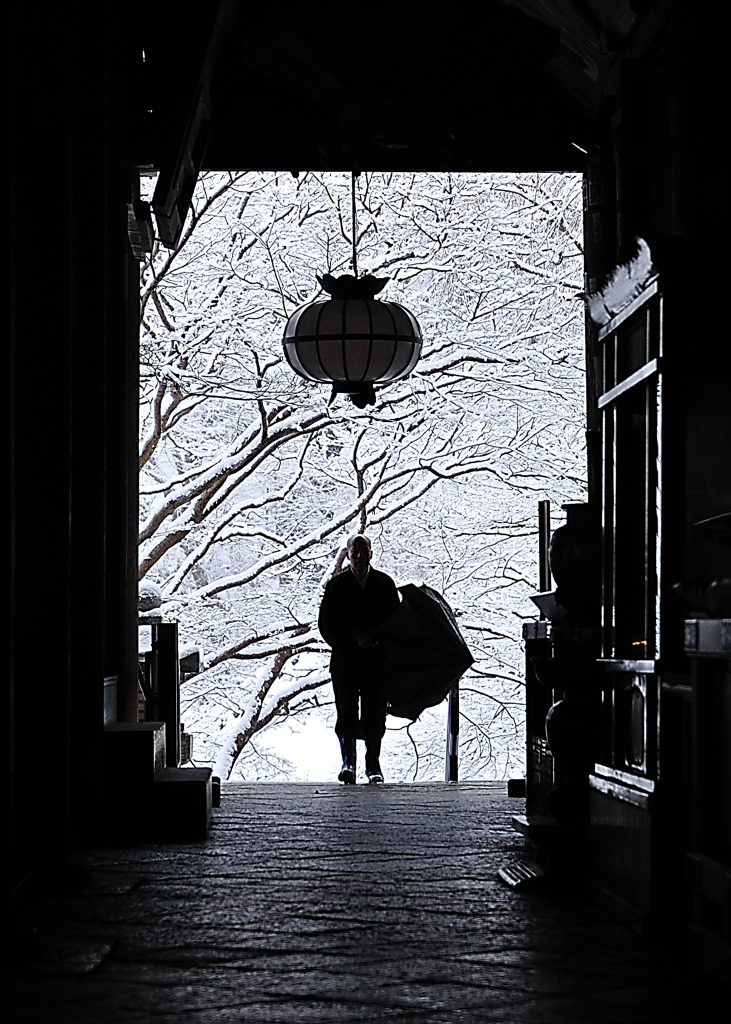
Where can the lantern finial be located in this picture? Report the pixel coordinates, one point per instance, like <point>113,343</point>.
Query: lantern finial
<point>348,287</point>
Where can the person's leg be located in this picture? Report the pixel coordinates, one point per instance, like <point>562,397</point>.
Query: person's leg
<point>347,773</point>
<point>346,725</point>
<point>373,723</point>
<point>372,760</point>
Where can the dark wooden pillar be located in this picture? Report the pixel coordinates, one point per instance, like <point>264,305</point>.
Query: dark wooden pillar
<point>72,431</point>
<point>37,709</point>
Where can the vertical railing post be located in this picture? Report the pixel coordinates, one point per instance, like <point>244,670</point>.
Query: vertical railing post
<point>544,540</point>
<point>168,688</point>
<point>451,769</point>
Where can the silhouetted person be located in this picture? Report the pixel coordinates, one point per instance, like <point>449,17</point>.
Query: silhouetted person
<point>354,603</point>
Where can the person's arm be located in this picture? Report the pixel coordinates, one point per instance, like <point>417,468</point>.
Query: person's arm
<point>394,599</point>
<point>389,597</point>
<point>330,620</point>
<point>384,601</point>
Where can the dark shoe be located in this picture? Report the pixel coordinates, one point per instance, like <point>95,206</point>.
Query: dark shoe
<point>347,772</point>
<point>373,768</point>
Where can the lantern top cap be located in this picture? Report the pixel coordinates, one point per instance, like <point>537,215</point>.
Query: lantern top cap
<point>348,287</point>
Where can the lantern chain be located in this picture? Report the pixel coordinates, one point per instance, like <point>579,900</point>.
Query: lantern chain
<point>354,222</point>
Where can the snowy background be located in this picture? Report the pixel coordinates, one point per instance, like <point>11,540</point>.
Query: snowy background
<point>250,481</point>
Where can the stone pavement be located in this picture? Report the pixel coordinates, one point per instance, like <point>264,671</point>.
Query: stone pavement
<point>326,904</point>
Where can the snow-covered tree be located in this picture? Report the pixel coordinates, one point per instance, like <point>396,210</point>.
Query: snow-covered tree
<point>250,480</point>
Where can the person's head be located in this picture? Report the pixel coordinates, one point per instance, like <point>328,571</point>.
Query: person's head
<point>359,554</point>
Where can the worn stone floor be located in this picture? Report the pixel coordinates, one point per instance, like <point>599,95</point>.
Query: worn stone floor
<point>328,904</point>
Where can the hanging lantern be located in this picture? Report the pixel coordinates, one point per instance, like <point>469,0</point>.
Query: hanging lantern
<point>352,340</point>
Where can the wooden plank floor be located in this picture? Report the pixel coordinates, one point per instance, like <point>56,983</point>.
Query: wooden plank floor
<point>333,904</point>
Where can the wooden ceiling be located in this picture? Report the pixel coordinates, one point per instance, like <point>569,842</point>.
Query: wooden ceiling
<point>487,86</point>
<point>494,86</point>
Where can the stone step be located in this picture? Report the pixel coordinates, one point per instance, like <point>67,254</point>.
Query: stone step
<point>134,752</point>
<point>143,799</point>
<point>182,802</point>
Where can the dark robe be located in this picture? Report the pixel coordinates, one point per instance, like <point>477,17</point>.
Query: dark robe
<point>347,606</point>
